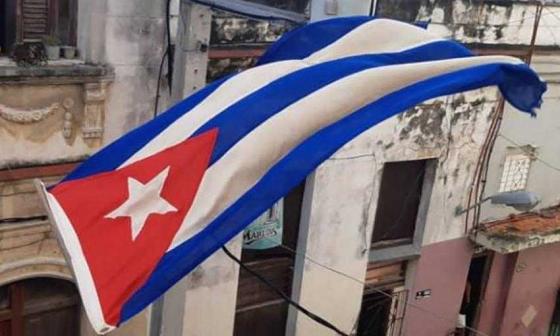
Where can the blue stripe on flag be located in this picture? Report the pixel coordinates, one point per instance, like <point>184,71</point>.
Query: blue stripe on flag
<point>301,161</point>
<point>115,154</point>
<point>257,107</point>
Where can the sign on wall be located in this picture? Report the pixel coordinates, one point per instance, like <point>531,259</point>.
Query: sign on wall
<point>266,231</point>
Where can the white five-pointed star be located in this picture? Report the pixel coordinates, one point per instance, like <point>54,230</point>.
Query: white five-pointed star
<point>143,200</point>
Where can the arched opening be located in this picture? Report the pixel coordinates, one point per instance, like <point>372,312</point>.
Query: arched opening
<point>39,307</point>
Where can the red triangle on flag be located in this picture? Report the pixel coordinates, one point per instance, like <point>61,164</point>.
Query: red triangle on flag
<point>120,257</point>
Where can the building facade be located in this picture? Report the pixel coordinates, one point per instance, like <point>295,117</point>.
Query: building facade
<point>371,241</point>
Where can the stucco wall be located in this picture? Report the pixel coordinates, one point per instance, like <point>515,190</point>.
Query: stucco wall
<point>488,22</point>
<point>532,293</point>
<point>344,196</point>
<point>521,292</point>
<point>442,269</point>
<point>520,129</point>
<point>130,36</point>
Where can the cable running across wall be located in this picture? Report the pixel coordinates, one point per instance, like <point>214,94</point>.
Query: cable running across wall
<point>279,292</point>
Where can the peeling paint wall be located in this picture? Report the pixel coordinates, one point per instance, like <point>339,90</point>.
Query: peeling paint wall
<point>345,195</point>
<point>519,130</point>
<point>131,38</point>
<point>231,32</point>
<point>450,129</point>
<point>484,22</point>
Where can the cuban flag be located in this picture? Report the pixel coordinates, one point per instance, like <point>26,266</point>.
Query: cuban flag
<point>144,211</point>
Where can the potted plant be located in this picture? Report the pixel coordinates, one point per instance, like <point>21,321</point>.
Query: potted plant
<point>69,52</point>
<point>52,45</point>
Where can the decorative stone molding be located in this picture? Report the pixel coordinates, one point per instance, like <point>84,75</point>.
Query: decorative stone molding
<point>68,103</point>
<point>52,113</point>
<point>23,116</point>
<point>94,110</point>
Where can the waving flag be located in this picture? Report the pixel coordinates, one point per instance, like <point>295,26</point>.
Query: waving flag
<point>146,210</point>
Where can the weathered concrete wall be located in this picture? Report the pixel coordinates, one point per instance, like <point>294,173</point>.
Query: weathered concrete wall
<point>132,42</point>
<point>345,195</point>
<point>49,119</point>
<point>231,32</point>
<point>492,23</point>
<point>524,305</point>
<point>519,129</point>
<point>343,8</point>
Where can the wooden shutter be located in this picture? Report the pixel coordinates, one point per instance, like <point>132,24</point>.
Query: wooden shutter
<point>259,310</point>
<point>252,292</point>
<point>384,275</point>
<point>36,18</point>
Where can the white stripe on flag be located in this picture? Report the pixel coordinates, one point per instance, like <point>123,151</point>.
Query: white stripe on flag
<point>226,95</point>
<point>79,264</point>
<point>375,36</point>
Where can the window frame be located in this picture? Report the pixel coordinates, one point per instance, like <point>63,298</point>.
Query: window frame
<point>53,23</point>
<point>412,249</point>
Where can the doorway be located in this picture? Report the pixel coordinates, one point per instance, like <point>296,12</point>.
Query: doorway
<point>474,288</point>
<point>39,307</point>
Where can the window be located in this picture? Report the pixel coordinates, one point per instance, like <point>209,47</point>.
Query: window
<point>515,173</point>
<point>403,10</point>
<point>298,6</point>
<point>259,310</point>
<point>384,300</point>
<point>39,307</point>
<point>399,199</point>
<point>31,20</point>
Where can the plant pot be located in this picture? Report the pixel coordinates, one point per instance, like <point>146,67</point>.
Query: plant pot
<point>69,52</point>
<point>53,52</point>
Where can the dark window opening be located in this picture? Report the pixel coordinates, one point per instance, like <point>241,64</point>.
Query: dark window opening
<point>384,300</point>
<point>298,6</point>
<point>259,310</point>
<point>403,10</point>
<point>399,198</point>
<point>374,315</point>
<point>39,307</point>
<point>555,323</point>
<point>7,24</point>
<point>32,20</point>
<point>474,289</point>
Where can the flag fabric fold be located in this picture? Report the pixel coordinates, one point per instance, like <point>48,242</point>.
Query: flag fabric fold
<point>147,209</point>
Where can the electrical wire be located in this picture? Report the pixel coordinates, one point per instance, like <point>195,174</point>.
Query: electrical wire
<point>253,10</point>
<point>168,54</point>
<point>169,51</point>
<point>156,104</point>
<point>286,298</point>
